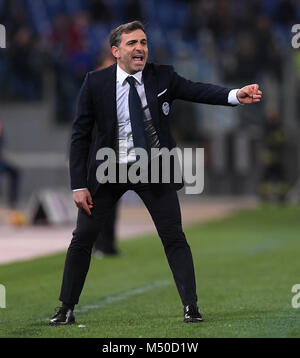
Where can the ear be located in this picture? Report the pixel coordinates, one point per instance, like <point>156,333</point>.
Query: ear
<point>115,51</point>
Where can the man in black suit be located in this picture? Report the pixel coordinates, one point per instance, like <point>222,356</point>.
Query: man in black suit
<point>130,104</point>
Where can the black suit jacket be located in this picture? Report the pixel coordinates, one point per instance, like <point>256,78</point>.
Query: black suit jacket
<point>96,110</point>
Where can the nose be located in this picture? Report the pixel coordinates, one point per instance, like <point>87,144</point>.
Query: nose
<point>139,46</point>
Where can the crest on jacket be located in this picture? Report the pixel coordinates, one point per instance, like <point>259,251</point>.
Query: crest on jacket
<point>165,108</point>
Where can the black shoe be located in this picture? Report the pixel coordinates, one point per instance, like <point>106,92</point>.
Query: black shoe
<point>62,317</point>
<point>192,314</point>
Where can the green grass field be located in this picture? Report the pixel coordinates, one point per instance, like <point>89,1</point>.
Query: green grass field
<point>245,266</point>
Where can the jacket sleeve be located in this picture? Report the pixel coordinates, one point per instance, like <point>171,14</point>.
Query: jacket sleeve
<point>81,136</point>
<point>198,92</point>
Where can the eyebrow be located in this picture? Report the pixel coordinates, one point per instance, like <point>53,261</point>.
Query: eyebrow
<point>132,41</point>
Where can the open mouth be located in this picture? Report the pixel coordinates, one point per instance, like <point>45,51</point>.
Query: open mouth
<point>138,59</point>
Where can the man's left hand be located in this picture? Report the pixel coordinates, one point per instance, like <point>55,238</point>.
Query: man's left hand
<point>249,94</point>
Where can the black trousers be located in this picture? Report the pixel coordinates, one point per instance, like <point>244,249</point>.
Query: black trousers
<point>106,240</point>
<point>162,203</point>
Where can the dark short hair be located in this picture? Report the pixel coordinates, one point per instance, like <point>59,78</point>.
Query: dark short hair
<point>115,35</point>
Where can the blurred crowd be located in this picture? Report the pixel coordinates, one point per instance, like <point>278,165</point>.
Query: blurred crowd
<point>233,41</point>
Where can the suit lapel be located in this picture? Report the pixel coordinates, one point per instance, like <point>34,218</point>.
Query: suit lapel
<point>109,93</point>
<point>150,85</point>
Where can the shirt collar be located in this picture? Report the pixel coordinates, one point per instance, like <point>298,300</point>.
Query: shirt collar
<point>122,75</point>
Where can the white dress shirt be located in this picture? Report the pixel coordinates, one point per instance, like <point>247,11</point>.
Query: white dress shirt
<point>125,148</point>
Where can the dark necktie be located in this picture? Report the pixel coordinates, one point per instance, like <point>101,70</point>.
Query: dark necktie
<point>136,116</point>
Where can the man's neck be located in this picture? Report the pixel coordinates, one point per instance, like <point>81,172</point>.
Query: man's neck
<point>124,69</point>
<point>122,74</point>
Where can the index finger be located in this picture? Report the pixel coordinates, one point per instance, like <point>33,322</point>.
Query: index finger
<point>86,207</point>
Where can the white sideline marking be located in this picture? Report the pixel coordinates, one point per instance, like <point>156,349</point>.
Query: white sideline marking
<point>122,296</point>
<point>119,297</point>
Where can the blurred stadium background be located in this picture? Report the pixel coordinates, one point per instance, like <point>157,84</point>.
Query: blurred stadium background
<point>252,153</point>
